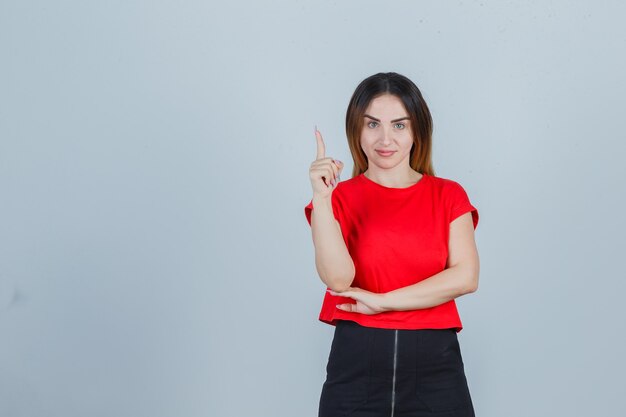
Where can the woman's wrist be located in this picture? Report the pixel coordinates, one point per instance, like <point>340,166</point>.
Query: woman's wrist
<point>387,301</point>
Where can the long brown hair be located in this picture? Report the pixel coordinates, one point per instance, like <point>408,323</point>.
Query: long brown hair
<point>421,120</point>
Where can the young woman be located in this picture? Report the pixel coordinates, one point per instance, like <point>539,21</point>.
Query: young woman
<point>395,246</point>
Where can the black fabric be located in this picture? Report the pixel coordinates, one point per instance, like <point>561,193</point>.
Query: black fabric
<point>429,374</point>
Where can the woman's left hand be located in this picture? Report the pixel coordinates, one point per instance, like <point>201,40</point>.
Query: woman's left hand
<point>367,302</point>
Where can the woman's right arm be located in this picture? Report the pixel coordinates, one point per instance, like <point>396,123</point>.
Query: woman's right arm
<point>332,259</point>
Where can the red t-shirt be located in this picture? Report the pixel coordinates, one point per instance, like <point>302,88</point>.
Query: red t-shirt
<point>396,237</point>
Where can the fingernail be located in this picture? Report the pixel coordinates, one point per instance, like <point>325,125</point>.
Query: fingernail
<point>315,129</point>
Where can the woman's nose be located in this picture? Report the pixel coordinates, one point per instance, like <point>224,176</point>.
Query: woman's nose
<point>386,137</point>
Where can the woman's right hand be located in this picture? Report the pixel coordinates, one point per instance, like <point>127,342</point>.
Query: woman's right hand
<point>324,171</point>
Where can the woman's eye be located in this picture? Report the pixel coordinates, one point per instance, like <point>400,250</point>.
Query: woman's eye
<point>402,125</point>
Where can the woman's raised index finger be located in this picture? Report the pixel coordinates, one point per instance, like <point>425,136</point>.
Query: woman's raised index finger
<point>321,148</point>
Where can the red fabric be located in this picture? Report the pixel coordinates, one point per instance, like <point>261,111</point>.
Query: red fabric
<point>396,237</point>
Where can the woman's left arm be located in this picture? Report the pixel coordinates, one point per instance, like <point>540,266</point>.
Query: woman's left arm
<point>459,278</point>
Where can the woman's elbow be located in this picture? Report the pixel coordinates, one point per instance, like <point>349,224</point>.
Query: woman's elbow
<point>471,285</point>
<point>341,283</point>
<point>472,271</point>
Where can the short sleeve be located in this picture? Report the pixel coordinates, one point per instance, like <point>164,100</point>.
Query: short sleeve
<point>460,204</point>
<point>335,204</point>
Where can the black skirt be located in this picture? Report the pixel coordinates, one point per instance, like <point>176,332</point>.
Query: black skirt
<point>374,372</point>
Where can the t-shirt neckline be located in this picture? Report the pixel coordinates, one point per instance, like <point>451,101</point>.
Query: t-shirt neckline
<point>383,187</point>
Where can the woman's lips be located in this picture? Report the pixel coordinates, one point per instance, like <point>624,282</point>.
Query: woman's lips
<point>388,153</point>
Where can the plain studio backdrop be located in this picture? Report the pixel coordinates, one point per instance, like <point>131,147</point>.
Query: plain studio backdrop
<point>155,259</point>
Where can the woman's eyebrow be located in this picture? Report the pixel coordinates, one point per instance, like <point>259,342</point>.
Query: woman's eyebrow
<point>393,121</point>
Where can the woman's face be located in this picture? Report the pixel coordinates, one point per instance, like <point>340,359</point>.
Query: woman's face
<point>386,127</point>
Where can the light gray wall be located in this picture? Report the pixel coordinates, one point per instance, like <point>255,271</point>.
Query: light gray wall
<point>154,255</point>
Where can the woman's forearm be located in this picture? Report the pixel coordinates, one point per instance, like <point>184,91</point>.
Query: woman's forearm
<point>332,259</point>
<point>432,291</point>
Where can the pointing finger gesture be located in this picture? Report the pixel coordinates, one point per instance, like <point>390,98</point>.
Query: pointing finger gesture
<point>324,171</point>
